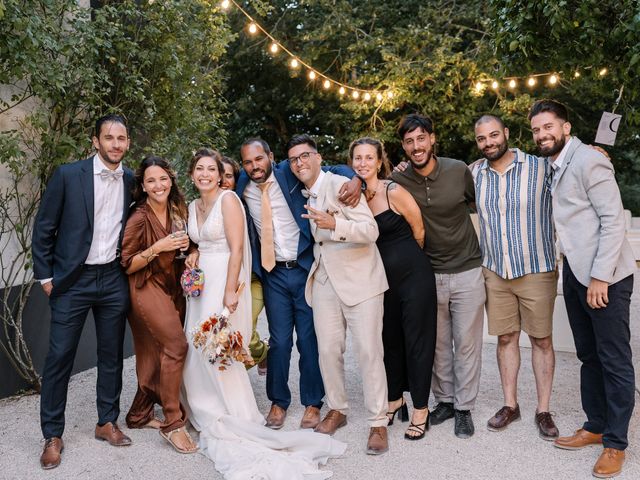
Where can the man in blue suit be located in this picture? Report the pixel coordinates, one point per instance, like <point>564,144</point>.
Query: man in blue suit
<point>282,256</point>
<point>76,245</point>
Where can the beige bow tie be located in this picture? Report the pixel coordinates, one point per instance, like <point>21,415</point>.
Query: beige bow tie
<point>111,174</point>
<point>308,193</point>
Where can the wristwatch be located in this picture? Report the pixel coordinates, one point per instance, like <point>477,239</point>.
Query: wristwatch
<point>363,187</point>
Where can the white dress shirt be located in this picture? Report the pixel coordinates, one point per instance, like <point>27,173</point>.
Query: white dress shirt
<point>315,189</point>
<point>286,233</point>
<point>108,204</point>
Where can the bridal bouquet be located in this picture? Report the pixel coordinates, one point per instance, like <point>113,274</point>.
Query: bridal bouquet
<point>219,342</point>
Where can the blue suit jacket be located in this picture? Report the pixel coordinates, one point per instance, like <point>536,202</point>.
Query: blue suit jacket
<point>292,190</point>
<point>63,228</point>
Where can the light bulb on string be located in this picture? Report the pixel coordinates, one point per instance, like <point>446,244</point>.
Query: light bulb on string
<point>576,74</point>
<point>341,91</point>
<point>224,4</point>
<point>512,83</point>
<point>253,28</point>
<point>367,97</point>
<point>553,79</point>
<point>326,84</point>
<point>312,75</point>
<point>294,63</point>
<point>531,82</point>
<point>389,94</point>
<point>603,72</point>
<point>494,85</point>
<point>355,94</point>
<point>274,48</point>
<point>379,97</point>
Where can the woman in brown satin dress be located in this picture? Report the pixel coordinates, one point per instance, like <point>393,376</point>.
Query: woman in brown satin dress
<point>157,307</point>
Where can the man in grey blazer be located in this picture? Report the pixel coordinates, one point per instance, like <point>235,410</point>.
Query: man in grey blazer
<point>598,270</point>
<point>345,288</point>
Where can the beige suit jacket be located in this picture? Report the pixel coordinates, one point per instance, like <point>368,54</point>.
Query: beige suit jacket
<point>349,253</point>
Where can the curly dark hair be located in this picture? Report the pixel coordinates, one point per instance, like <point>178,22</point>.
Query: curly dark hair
<point>177,204</point>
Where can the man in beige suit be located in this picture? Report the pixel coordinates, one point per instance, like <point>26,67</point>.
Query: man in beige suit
<point>345,288</point>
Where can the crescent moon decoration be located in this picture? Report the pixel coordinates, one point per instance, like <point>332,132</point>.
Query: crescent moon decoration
<point>617,122</point>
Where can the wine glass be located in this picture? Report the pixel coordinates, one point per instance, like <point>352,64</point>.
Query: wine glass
<point>178,228</point>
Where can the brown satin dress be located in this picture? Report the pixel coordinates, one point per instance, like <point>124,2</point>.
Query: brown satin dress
<point>156,317</point>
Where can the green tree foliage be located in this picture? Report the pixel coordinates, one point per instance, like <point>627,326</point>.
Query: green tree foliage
<point>427,53</point>
<point>61,66</point>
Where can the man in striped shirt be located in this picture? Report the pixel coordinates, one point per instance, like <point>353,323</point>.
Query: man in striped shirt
<point>513,200</point>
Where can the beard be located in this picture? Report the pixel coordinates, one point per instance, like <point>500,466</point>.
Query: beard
<point>266,174</point>
<point>501,150</point>
<point>418,165</point>
<point>556,147</point>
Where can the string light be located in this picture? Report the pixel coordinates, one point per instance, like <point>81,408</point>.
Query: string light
<point>576,74</point>
<point>603,72</point>
<point>553,79</point>
<point>512,83</point>
<point>495,85</point>
<point>295,62</point>
<point>531,82</point>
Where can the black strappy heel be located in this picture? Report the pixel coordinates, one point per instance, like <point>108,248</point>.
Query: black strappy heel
<point>419,429</point>
<point>403,415</point>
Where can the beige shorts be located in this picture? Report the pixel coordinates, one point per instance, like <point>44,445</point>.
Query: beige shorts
<point>524,303</point>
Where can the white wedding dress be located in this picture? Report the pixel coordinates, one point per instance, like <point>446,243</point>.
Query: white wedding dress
<point>221,404</point>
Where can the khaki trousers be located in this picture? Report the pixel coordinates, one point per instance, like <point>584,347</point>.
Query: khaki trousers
<point>331,318</point>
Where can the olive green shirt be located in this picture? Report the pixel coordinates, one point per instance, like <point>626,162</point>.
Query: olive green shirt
<point>445,197</point>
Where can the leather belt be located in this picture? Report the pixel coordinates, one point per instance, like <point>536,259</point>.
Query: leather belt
<point>288,264</point>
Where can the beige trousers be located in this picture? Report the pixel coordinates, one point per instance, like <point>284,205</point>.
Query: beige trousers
<point>331,318</point>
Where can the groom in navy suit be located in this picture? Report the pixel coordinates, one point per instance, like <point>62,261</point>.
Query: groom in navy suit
<point>76,245</point>
<point>282,254</point>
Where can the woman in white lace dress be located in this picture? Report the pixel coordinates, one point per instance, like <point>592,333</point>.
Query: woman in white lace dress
<point>221,404</point>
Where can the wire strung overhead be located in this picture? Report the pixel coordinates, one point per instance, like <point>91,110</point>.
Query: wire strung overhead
<point>313,74</point>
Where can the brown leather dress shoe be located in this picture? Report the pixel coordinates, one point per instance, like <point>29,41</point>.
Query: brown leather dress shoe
<point>311,417</point>
<point>578,440</point>
<point>547,429</point>
<point>332,422</point>
<point>609,464</point>
<point>51,457</point>
<point>503,418</point>
<point>110,432</point>
<point>378,442</point>
<point>276,416</point>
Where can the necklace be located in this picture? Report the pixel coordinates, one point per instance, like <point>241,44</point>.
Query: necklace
<point>369,194</point>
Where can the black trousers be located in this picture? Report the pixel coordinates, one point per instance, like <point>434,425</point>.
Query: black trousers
<point>104,290</point>
<point>602,338</point>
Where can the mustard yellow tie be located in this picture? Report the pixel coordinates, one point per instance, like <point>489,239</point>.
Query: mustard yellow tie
<point>267,250</point>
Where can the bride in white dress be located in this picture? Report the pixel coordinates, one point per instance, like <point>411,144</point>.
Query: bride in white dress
<point>221,404</point>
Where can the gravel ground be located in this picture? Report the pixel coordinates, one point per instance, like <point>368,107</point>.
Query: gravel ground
<point>516,453</point>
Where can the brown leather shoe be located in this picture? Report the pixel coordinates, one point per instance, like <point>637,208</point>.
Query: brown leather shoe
<point>51,457</point>
<point>311,417</point>
<point>332,422</point>
<point>378,442</point>
<point>609,464</point>
<point>110,432</point>
<point>547,429</point>
<point>262,367</point>
<point>276,416</point>
<point>503,418</point>
<point>578,440</point>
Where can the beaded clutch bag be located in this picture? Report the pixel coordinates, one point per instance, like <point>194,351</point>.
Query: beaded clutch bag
<point>192,282</point>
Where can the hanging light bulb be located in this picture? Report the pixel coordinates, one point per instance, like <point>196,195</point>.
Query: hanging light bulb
<point>326,84</point>
<point>225,4</point>
<point>341,91</point>
<point>603,72</point>
<point>294,63</point>
<point>531,82</point>
<point>253,28</point>
<point>367,97</point>
<point>355,94</point>
<point>494,85</point>
<point>576,74</point>
<point>312,75</point>
<point>274,48</point>
<point>389,94</point>
<point>379,96</point>
<point>512,83</point>
<point>478,86</point>
<point>553,79</point>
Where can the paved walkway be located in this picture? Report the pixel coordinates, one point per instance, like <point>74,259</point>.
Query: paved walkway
<point>516,453</point>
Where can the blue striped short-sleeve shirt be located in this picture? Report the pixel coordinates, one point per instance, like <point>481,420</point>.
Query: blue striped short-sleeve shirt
<point>514,213</point>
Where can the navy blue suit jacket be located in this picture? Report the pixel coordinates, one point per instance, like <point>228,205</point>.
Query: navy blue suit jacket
<point>63,228</point>
<point>292,189</point>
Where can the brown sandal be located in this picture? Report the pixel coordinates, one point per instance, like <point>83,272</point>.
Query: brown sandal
<point>167,437</point>
<point>155,423</point>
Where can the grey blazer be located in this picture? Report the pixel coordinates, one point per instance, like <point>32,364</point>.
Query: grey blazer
<point>588,217</point>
